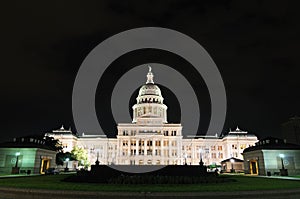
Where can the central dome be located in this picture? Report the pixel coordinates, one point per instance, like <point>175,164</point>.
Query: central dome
<point>150,89</point>
<point>149,107</point>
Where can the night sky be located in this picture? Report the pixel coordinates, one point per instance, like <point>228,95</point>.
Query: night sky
<point>255,45</point>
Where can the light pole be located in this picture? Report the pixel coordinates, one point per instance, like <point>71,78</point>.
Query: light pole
<point>16,169</point>
<point>185,156</point>
<point>17,160</point>
<point>281,158</point>
<point>232,161</point>
<point>200,154</point>
<point>283,171</point>
<point>67,162</point>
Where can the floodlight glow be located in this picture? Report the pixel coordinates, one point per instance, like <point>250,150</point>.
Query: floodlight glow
<point>231,160</point>
<point>67,159</point>
<point>281,155</point>
<point>18,153</point>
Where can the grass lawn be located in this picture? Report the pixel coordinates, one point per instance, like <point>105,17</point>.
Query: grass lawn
<point>241,183</point>
<point>296,176</point>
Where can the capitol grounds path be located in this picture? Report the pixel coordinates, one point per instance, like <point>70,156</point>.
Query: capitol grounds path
<point>19,186</point>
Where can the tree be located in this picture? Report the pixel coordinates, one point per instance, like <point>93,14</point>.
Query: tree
<point>81,155</point>
<point>61,157</point>
<point>50,142</point>
<point>53,143</point>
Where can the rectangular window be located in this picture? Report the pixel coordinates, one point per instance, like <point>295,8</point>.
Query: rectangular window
<point>213,155</point>
<point>149,152</point>
<point>219,148</point>
<point>220,155</point>
<point>166,143</point>
<point>125,132</point>
<point>141,152</point>
<point>174,143</point>
<point>174,153</point>
<point>132,152</point>
<point>157,152</point>
<point>166,153</point>
<point>173,133</point>
<point>125,143</point>
<point>157,143</point>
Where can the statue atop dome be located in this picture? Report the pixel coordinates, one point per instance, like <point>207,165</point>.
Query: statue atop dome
<point>150,76</point>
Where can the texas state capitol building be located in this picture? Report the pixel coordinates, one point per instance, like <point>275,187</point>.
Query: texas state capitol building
<point>151,140</point>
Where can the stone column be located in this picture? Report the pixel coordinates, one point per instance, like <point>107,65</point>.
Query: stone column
<point>153,147</point>
<point>136,146</point>
<point>129,146</point>
<point>162,148</point>
<point>169,148</point>
<point>193,153</point>
<point>145,147</point>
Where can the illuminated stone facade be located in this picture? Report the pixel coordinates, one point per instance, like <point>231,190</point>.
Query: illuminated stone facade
<point>151,140</point>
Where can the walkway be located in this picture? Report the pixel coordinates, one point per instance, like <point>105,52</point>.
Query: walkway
<point>12,193</point>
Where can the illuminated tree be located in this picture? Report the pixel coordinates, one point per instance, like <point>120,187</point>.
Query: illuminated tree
<point>81,156</point>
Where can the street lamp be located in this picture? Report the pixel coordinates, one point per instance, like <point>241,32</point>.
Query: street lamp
<point>281,158</point>
<point>17,160</point>
<point>67,162</point>
<point>16,169</point>
<point>200,154</point>
<point>232,161</point>
<point>185,156</point>
<point>283,171</point>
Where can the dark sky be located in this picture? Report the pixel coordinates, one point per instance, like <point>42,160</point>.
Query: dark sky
<point>255,45</point>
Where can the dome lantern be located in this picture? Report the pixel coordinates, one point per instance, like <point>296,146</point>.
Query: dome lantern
<point>150,76</point>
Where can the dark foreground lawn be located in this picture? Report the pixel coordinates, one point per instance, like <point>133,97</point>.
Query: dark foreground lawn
<point>238,183</point>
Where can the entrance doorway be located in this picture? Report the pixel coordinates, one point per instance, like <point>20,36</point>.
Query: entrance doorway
<point>44,165</point>
<point>254,167</point>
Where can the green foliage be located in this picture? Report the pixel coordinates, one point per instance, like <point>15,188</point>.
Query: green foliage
<point>61,157</point>
<point>81,155</point>
<point>53,143</point>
